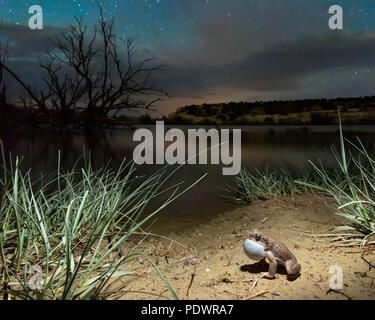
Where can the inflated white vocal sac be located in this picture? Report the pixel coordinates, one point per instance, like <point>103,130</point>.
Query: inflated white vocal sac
<point>253,250</point>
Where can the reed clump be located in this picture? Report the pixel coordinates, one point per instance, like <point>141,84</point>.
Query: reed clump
<point>354,192</point>
<point>263,184</point>
<point>350,182</point>
<point>60,235</point>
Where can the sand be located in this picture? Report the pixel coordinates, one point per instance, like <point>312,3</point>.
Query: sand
<point>207,261</point>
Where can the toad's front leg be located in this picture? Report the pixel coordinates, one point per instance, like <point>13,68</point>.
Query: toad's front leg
<point>272,266</point>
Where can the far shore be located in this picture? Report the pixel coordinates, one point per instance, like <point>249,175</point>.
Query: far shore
<point>266,128</point>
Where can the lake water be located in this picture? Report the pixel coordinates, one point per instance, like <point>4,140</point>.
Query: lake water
<point>261,145</point>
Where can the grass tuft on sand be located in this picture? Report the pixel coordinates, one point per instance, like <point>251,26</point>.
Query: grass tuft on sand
<point>351,183</point>
<point>67,235</point>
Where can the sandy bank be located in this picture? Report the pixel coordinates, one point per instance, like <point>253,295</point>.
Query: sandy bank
<point>213,253</point>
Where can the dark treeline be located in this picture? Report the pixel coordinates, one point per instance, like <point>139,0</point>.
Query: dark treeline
<point>359,110</point>
<point>281,106</point>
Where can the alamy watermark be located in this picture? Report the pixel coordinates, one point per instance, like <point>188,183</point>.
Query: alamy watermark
<point>153,150</point>
<point>36,20</point>
<point>175,153</point>
<point>335,21</point>
<point>36,280</point>
<point>336,282</point>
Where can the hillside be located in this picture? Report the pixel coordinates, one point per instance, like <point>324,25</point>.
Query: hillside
<point>286,112</point>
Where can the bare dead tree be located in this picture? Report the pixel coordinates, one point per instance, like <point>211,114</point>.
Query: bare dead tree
<point>34,99</point>
<point>65,90</point>
<point>91,75</point>
<point>112,84</point>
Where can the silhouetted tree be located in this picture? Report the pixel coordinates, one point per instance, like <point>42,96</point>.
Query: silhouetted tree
<point>87,80</point>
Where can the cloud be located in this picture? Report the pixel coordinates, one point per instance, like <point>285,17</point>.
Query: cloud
<point>278,67</point>
<point>223,33</point>
<point>24,42</point>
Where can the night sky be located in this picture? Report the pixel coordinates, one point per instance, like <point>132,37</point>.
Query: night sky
<point>222,50</point>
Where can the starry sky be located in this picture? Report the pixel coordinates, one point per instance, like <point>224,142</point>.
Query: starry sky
<point>221,50</point>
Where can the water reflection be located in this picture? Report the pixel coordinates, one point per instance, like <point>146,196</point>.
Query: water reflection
<point>277,146</point>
